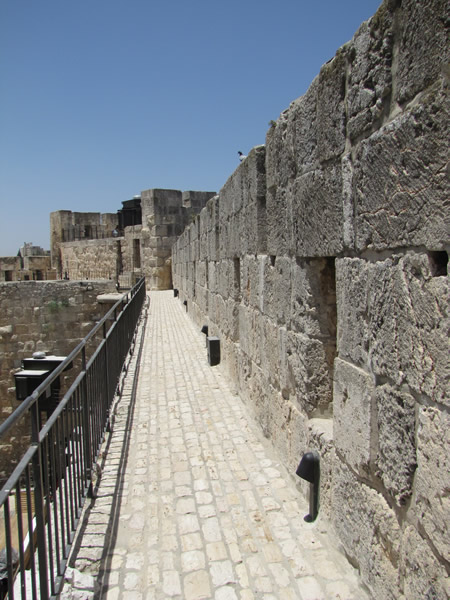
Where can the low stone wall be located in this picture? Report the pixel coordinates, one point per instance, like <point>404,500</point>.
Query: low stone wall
<point>322,267</point>
<point>40,316</point>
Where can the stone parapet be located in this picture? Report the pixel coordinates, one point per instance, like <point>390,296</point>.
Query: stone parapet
<point>322,266</point>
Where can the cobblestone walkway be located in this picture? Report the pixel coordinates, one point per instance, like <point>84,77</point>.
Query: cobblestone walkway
<point>191,503</point>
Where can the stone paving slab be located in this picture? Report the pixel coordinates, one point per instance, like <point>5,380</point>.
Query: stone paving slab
<point>192,504</point>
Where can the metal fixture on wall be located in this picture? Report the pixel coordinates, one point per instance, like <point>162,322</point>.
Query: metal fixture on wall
<point>309,470</point>
<point>204,330</point>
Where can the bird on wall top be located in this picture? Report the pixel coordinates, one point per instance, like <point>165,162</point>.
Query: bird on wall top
<point>241,156</point>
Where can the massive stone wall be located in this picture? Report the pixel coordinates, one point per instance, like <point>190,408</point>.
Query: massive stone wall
<point>52,316</point>
<point>322,267</point>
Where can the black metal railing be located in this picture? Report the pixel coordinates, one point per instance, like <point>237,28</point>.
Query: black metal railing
<point>42,500</point>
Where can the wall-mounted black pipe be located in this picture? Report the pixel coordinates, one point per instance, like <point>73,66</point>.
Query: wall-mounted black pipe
<point>309,470</point>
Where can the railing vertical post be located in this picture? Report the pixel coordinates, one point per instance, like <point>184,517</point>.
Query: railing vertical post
<point>86,422</point>
<point>108,428</point>
<point>39,502</point>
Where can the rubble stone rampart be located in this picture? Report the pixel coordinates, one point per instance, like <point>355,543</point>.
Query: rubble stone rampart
<point>322,267</point>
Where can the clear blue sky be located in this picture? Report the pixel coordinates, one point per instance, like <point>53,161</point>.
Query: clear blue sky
<point>100,99</point>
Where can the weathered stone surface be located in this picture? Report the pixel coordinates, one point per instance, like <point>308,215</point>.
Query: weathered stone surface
<point>317,212</point>
<point>331,115</point>
<point>353,395</point>
<point>310,378</point>
<point>423,576</point>
<point>313,308</point>
<point>396,459</point>
<point>279,220</point>
<point>400,179</point>
<point>370,76</point>
<point>351,299</point>
<point>423,46</point>
<point>393,318</point>
<point>433,477</point>
<point>369,530</point>
<point>276,293</point>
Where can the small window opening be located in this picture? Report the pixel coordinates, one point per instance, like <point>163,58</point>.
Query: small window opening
<point>272,260</point>
<point>439,263</point>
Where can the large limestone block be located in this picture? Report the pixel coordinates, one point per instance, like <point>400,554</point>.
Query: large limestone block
<point>317,212</point>
<point>353,427</point>
<point>279,220</point>
<point>370,76</point>
<point>331,113</point>
<point>424,50</point>
<point>309,373</point>
<point>250,332</point>
<point>396,459</point>
<point>201,272</point>
<point>433,478</point>
<point>244,186</point>
<point>212,276</point>
<point>313,307</point>
<point>351,297</point>
<point>409,323</point>
<point>280,157</point>
<point>252,280</point>
<point>369,531</point>
<point>393,319</point>
<point>277,289</point>
<point>270,348</point>
<point>423,575</point>
<point>400,179</point>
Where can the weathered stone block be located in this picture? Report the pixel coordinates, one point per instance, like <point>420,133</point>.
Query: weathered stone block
<point>310,379</point>
<point>280,161</point>
<point>269,349</point>
<point>424,50</point>
<point>277,288</point>
<point>433,477</point>
<point>313,304</point>
<point>369,531</point>
<point>331,115</point>
<point>250,333</point>
<point>317,212</point>
<point>252,273</point>
<point>279,220</point>
<point>423,576</point>
<point>393,318</point>
<point>354,393</point>
<point>321,439</point>
<point>396,459</point>
<point>370,76</point>
<point>400,179</point>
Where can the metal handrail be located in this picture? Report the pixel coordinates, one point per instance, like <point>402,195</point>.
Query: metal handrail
<point>44,495</point>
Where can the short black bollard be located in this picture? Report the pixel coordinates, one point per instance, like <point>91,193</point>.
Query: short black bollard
<point>213,345</point>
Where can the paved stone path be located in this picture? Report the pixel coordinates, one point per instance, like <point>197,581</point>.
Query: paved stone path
<point>192,503</point>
